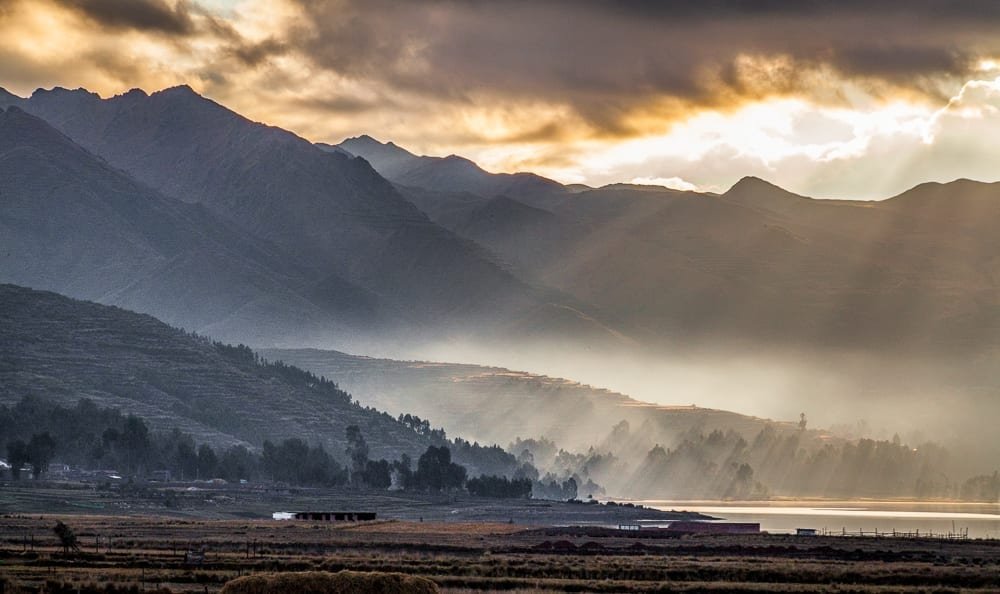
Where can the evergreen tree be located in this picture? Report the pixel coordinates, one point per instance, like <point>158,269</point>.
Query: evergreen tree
<point>41,448</point>
<point>17,457</point>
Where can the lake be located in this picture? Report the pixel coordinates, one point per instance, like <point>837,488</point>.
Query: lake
<point>981,519</point>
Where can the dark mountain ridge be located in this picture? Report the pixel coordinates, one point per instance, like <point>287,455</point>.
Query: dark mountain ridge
<point>73,223</point>
<point>756,264</point>
<point>452,174</point>
<point>60,350</point>
<point>354,236</point>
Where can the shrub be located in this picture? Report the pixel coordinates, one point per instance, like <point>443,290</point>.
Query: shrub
<point>322,582</point>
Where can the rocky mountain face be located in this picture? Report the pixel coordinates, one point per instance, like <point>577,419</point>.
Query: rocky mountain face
<point>312,243</point>
<point>72,223</point>
<point>755,265</point>
<point>357,249</point>
<point>451,174</point>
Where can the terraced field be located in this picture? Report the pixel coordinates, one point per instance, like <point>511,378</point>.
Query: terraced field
<point>62,350</point>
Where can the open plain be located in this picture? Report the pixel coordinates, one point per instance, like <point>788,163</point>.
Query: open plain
<point>145,553</point>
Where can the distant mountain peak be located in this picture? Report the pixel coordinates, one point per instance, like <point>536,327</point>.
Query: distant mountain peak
<point>460,160</point>
<point>370,141</point>
<point>950,194</point>
<point>179,94</point>
<point>761,194</point>
<point>178,90</point>
<point>371,149</point>
<point>754,182</point>
<point>81,92</point>
<point>751,187</point>
<point>367,138</point>
<point>135,93</point>
<point>7,97</point>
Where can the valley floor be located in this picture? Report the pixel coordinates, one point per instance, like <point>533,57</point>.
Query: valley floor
<point>207,501</point>
<point>148,554</point>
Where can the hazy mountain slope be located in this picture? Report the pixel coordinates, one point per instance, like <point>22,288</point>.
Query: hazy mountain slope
<point>755,265</point>
<point>73,224</point>
<point>62,349</point>
<point>333,212</point>
<point>759,264</point>
<point>493,404</point>
<point>501,216</point>
<point>445,174</point>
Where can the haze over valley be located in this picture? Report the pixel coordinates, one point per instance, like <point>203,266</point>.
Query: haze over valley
<point>324,296</point>
<point>685,304</point>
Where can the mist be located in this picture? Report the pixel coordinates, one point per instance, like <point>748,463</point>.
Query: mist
<point>851,394</point>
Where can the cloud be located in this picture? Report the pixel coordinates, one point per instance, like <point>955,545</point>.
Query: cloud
<point>141,15</point>
<point>254,53</point>
<point>806,92</point>
<point>674,183</point>
<point>814,150</point>
<point>607,60</point>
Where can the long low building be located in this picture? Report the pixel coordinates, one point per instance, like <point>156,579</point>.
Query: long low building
<point>325,516</point>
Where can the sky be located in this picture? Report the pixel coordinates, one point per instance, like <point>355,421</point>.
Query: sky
<point>847,99</point>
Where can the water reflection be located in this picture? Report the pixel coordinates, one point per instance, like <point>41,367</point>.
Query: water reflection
<point>981,520</point>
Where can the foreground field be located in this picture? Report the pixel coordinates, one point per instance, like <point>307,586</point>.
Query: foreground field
<point>148,553</point>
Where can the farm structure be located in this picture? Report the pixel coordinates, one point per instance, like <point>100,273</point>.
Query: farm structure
<point>326,516</point>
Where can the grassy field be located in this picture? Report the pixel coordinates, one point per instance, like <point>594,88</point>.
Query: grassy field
<point>206,501</point>
<point>145,553</point>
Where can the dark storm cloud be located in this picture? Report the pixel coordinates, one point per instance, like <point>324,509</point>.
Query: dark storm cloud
<point>256,53</point>
<point>900,60</point>
<point>140,15</point>
<point>608,58</point>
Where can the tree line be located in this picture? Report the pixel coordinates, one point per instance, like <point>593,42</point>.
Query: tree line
<point>37,432</point>
<point>776,461</point>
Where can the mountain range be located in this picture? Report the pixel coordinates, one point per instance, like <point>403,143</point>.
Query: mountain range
<point>170,204</point>
<point>754,265</point>
<point>357,257</point>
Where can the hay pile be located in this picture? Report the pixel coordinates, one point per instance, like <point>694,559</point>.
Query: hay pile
<point>323,582</point>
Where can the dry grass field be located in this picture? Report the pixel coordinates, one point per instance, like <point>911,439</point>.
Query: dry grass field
<point>150,554</point>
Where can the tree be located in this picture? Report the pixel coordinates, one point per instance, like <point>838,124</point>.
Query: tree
<point>402,473</point>
<point>186,458</point>
<point>238,463</point>
<point>357,452</point>
<point>378,474</point>
<point>499,487</point>
<point>207,462</point>
<point>17,457</point>
<point>284,462</point>
<point>436,471</point>
<point>134,442</point>
<point>41,448</point>
<point>293,461</point>
<point>66,537</point>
